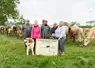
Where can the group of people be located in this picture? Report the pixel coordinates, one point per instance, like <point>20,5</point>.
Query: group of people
<point>37,32</point>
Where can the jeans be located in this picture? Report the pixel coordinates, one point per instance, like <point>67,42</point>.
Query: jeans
<point>61,44</point>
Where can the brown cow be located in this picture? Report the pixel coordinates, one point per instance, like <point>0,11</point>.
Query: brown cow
<point>13,30</point>
<point>7,29</point>
<point>19,31</point>
<point>2,28</point>
<point>75,32</point>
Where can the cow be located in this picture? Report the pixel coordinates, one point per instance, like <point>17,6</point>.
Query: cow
<point>86,30</point>
<point>11,30</point>
<point>2,28</point>
<point>7,29</point>
<point>90,36</point>
<point>75,32</point>
<point>19,31</point>
<point>14,30</point>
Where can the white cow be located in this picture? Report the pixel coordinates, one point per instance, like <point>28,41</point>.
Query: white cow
<point>90,36</point>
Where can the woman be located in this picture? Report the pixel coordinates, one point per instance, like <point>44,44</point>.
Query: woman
<point>35,33</point>
<point>53,30</point>
<point>61,36</point>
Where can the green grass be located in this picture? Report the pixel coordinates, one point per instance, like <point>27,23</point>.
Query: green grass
<point>12,55</point>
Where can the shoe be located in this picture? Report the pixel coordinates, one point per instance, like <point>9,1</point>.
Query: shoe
<point>63,53</point>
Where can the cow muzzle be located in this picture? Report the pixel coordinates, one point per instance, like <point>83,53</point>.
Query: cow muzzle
<point>85,44</point>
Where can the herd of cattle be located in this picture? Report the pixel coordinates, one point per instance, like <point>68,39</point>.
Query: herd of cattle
<point>11,30</point>
<point>82,35</point>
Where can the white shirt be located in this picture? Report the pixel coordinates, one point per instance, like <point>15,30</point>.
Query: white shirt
<point>60,32</point>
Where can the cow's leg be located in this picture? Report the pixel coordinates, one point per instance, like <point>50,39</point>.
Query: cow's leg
<point>73,38</point>
<point>7,32</point>
<point>3,31</point>
<point>94,41</point>
<point>80,43</point>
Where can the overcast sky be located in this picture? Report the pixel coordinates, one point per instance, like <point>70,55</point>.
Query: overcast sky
<point>55,10</point>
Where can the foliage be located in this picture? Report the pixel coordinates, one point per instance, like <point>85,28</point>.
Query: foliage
<point>21,20</point>
<point>86,26</point>
<point>8,9</point>
<point>65,23</point>
<point>78,24</point>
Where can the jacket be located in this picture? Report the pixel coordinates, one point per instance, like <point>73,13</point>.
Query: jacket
<point>26,30</point>
<point>45,31</point>
<point>36,31</point>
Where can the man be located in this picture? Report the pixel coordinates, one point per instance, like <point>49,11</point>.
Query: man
<point>26,30</point>
<point>45,30</point>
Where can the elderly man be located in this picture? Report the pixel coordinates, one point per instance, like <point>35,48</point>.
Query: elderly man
<point>45,29</point>
<point>26,30</point>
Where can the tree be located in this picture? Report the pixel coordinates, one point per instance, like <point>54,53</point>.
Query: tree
<point>78,24</point>
<point>73,23</point>
<point>21,20</point>
<point>65,23</point>
<point>8,9</point>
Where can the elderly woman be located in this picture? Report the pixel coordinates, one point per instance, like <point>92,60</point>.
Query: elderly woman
<point>61,36</point>
<point>55,26</point>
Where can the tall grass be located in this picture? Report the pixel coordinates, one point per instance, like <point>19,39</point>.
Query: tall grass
<point>12,55</point>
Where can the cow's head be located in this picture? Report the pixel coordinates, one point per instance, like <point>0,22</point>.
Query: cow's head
<point>86,41</point>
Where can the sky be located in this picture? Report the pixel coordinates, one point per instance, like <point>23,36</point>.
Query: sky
<point>56,10</point>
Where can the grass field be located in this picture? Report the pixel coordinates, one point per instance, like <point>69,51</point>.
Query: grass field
<point>12,55</point>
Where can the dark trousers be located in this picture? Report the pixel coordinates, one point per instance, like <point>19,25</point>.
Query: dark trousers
<point>34,49</point>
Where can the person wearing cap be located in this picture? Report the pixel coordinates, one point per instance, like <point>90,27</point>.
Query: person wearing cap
<point>61,36</point>
<point>45,30</point>
<point>55,26</point>
<point>26,30</point>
